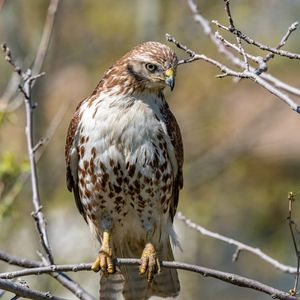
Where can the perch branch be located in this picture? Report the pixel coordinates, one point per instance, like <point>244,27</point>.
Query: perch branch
<point>207,272</point>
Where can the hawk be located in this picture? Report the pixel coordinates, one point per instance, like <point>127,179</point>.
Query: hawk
<point>124,157</point>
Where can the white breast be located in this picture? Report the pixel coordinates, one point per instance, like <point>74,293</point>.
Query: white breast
<point>124,132</point>
<point>130,124</point>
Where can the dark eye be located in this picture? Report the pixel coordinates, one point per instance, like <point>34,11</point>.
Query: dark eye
<point>151,67</point>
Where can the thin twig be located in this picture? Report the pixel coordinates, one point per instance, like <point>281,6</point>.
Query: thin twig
<point>37,214</point>
<point>251,41</point>
<point>205,25</point>
<point>282,42</point>
<point>29,106</point>
<point>20,290</point>
<point>15,190</point>
<point>12,88</point>
<point>72,286</point>
<point>231,28</point>
<point>19,261</point>
<point>62,278</point>
<point>240,246</point>
<point>227,9</point>
<point>291,199</point>
<point>229,72</point>
<point>46,35</point>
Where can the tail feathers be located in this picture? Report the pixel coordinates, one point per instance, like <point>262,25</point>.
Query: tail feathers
<point>136,286</point>
<point>166,284</point>
<point>132,286</point>
<point>111,287</point>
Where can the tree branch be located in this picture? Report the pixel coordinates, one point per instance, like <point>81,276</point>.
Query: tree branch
<point>229,72</point>
<point>62,278</point>
<point>28,79</point>
<point>12,87</point>
<point>205,25</point>
<point>240,246</point>
<point>19,261</point>
<point>207,272</point>
<point>20,290</point>
<point>261,46</point>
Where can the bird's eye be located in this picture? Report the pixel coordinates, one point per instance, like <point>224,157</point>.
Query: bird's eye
<point>151,67</point>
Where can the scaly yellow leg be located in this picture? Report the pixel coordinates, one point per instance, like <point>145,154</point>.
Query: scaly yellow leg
<point>150,262</point>
<point>104,259</point>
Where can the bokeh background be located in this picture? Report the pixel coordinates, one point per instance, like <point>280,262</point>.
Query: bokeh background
<point>241,143</point>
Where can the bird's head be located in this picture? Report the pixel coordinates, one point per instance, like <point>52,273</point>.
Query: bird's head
<point>153,65</point>
<point>148,67</point>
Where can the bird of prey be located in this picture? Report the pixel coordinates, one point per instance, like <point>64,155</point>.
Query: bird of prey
<point>124,157</point>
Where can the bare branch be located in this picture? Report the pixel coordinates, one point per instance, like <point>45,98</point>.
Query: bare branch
<point>205,25</point>
<point>62,278</point>
<point>240,246</point>
<point>72,286</point>
<point>20,290</point>
<point>38,216</point>
<point>23,178</point>
<point>227,9</point>
<point>229,72</point>
<point>19,261</point>
<point>10,60</point>
<point>12,88</point>
<point>291,29</point>
<point>207,272</point>
<point>291,199</point>
<point>46,35</point>
<point>251,41</point>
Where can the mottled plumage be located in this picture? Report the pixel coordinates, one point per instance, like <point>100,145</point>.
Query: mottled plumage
<point>124,158</point>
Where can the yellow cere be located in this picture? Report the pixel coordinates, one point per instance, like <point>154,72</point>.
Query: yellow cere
<point>169,72</point>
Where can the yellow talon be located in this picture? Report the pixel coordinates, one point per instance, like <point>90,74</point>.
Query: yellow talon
<point>104,259</point>
<point>150,262</point>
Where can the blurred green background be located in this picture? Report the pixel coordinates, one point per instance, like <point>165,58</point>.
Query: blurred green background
<point>241,143</point>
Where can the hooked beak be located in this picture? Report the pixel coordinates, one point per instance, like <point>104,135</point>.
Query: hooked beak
<point>170,79</point>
